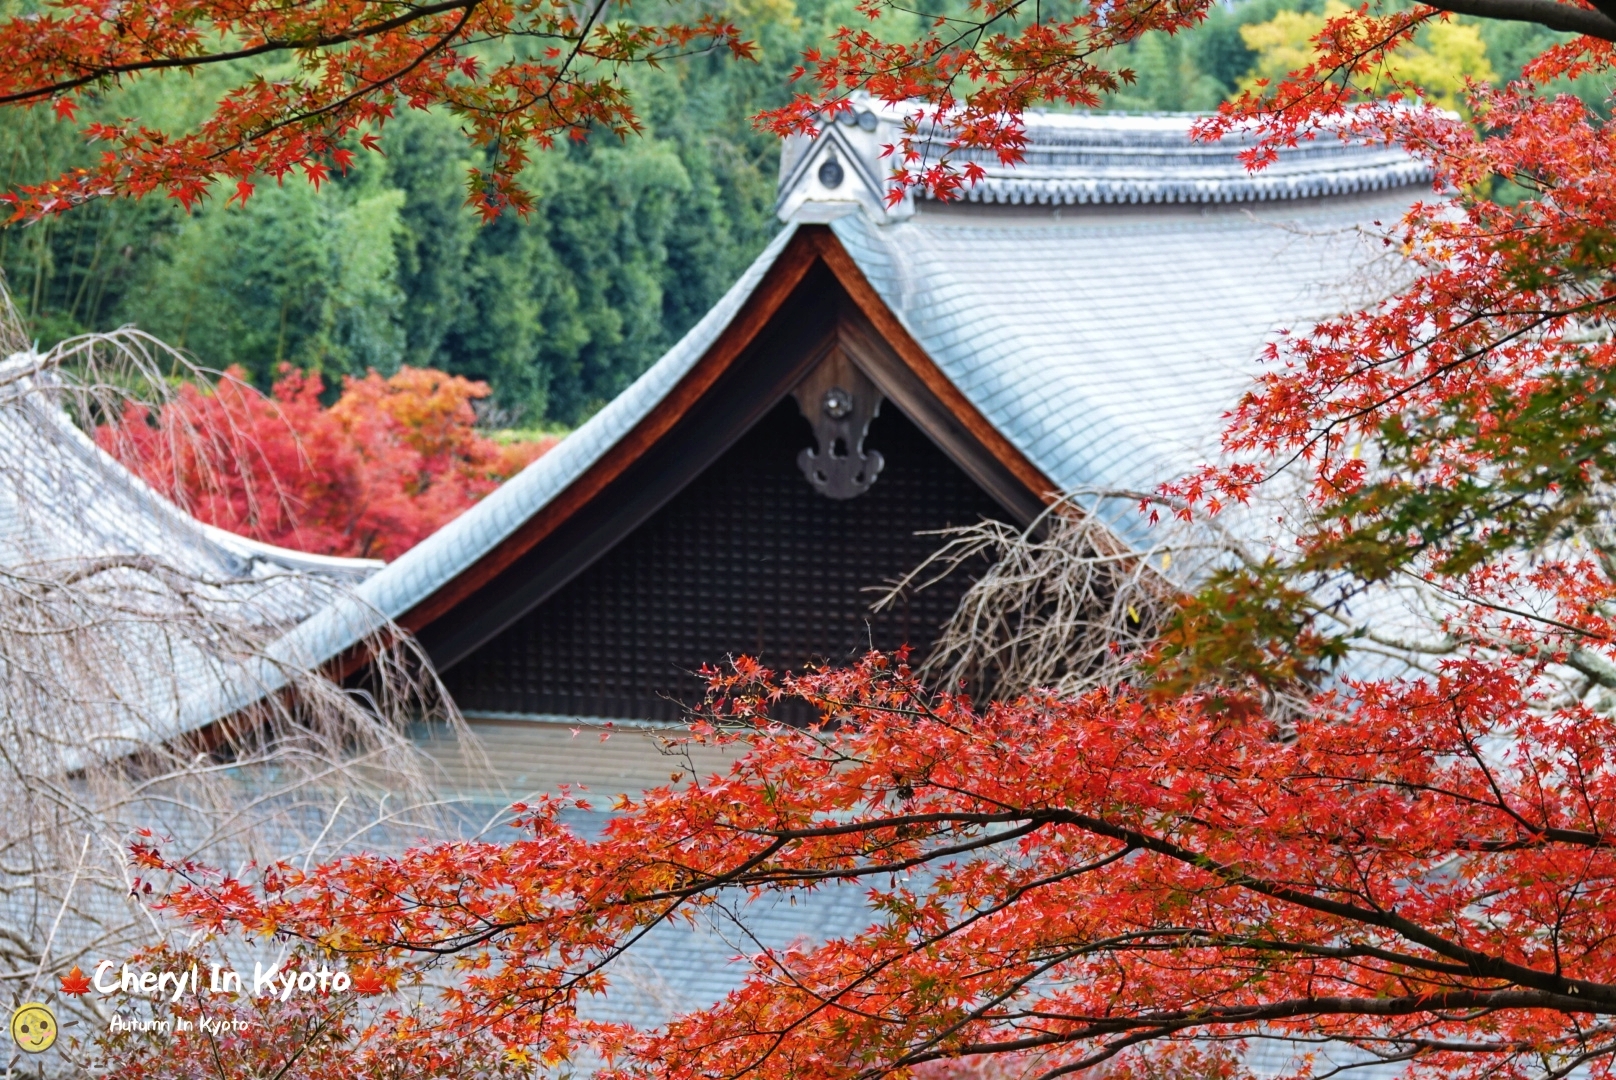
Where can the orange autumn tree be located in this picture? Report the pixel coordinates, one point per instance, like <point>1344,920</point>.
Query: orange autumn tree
<point>373,475</point>
<point>1260,835</point>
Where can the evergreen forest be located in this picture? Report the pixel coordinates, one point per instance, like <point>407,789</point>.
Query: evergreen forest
<point>631,242</point>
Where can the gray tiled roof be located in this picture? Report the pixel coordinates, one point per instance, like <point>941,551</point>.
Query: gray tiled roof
<point>1104,341</point>
<point>68,508</point>
<point>65,497</point>
<point>1077,159</point>
<point>518,756</point>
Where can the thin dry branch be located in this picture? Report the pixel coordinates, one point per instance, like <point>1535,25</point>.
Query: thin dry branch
<point>1063,605</point>
<point>124,626</point>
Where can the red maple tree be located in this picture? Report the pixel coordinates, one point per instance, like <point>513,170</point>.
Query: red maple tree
<point>1425,872</point>
<point>1418,865</point>
<point>380,470</point>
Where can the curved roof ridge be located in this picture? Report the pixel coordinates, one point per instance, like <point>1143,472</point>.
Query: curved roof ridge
<point>1079,158</point>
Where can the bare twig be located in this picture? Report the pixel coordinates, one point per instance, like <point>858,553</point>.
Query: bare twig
<point>121,621</point>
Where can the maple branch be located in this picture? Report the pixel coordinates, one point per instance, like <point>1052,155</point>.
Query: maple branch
<point>268,46</point>
<point>369,88</point>
<point>1406,1005</point>
<point>1162,1025</point>
<point>1037,971</point>
<point>1479,963</point>
<point>1564,17</point>
<point>1536,317</point>
<point>1334,952</point>
<point>1146,1028</point>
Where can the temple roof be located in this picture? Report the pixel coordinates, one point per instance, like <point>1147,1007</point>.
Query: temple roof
<point>1100,343</point>
<point>1091,315</point>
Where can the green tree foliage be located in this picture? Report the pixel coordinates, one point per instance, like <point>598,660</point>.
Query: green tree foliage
<point>1193,72</point>
<point>294,276</point>
<point>1170,77</point>
<point>631,242</point>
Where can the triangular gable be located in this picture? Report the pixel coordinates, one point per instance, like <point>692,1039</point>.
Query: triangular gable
<point>810,302</point>
<point>444,570</point>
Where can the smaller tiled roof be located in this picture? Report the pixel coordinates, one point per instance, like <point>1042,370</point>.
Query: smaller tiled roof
<point>67,505</point>
<point>1080,159</point>
<point>676,966</point>
<point>1076,159</point>
<point>64,497</point>
<point>520,755</point>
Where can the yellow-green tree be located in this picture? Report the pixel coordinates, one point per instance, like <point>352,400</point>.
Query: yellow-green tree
<point>1442,58</point>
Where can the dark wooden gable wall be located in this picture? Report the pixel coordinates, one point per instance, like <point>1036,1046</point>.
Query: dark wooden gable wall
<point>696,536</point>
<point>747,558</point>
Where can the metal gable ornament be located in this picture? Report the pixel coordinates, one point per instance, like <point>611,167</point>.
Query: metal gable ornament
<point>839,400</point>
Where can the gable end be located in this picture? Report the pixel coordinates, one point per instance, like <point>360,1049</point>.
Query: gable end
<point>802,313</point>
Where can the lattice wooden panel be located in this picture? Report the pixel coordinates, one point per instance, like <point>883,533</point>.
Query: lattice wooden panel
<point>747,559</point>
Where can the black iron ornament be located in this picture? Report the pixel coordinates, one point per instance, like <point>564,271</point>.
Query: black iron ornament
<point>839,400</point>
<point>830,173</point>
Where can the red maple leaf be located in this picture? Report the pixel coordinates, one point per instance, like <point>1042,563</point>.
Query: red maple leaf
<point>75,982</point>
<point>367,981</point>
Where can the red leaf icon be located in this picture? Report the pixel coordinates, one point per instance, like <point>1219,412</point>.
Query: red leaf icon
<point>75,982</point>
<point>366,981</point>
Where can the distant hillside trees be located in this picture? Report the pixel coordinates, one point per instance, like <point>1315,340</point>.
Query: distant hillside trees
<point>630,242</point>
